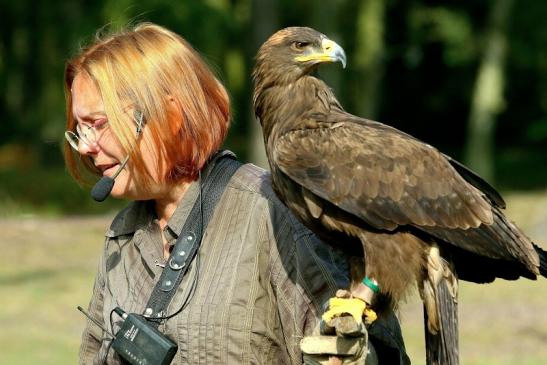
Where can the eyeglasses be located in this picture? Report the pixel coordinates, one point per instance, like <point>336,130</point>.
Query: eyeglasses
<point>85,133</point>
<point>89,134</point>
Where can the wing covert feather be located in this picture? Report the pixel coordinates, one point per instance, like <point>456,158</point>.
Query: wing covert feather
<point>378,173</point>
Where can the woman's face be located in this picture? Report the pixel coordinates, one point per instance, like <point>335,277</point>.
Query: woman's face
<point>107,154</point>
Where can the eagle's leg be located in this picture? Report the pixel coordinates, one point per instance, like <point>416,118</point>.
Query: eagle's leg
<point>353,304</point>
<point>365,291</point>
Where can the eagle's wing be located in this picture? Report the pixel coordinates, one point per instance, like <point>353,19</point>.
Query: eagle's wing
<point>478,182</point>
<point>381,176</point>
<point>390,179</point>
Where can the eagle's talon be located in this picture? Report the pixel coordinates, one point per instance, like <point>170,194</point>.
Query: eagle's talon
<point>354,308</point>
<point>370,316</point>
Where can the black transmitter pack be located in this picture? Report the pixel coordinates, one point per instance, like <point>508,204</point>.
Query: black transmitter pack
<point>141,344</point>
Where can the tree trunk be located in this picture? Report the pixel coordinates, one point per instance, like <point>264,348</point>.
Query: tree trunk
<point>487,100</point>
<point>368,61</point>
<point>265,21</point>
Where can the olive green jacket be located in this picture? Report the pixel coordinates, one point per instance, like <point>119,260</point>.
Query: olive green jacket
<point>258,285</point>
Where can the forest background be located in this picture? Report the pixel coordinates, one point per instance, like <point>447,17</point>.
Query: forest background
<point>467,76</point>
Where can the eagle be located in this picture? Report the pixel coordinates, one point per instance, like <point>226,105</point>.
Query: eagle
<point>418,216</point>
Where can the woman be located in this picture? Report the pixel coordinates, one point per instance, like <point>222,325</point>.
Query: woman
<point>145,110</point>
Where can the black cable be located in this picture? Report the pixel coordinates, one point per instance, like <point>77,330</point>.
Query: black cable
<point>109,346</point>
<point>214,176</point>
<point>194,284</point>
<point>111,320</point>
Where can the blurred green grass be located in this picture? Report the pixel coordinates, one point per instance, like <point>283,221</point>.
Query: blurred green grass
<point>47,267</point>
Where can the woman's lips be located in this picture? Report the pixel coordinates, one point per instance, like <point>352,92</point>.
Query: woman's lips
<point>110,170</point>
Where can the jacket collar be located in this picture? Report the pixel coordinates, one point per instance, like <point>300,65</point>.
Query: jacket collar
<point>139,214</point>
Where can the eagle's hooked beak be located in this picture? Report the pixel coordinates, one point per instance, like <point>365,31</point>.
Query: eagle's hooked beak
<point>330,52</point>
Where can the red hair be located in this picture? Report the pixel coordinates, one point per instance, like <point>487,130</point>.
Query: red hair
<point>186,108</point>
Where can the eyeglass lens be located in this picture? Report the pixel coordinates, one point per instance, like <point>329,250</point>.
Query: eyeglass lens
<point>85,134</point>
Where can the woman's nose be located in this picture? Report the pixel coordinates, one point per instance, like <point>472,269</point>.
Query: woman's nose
<point>88,149</point>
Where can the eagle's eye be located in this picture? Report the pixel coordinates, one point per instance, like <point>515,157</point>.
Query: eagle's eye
<point>300,45</point>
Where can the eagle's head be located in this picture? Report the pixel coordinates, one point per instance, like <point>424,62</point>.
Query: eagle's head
<point>294,52</point>
<point>286,58</point>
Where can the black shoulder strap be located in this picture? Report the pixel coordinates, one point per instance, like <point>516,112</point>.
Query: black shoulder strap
<point>214,179</point>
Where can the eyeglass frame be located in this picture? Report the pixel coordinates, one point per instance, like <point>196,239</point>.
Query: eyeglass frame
<point>74,139</point>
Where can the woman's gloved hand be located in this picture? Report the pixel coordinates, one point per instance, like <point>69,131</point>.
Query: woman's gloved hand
<point>341,340</point>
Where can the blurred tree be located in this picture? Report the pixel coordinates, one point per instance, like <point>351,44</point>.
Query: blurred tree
<point>414,64</point>
<point>488,100</point>
<point>116,13</point>
<point>368,57</point>
<point>265,21</point>
<point>33,46</point>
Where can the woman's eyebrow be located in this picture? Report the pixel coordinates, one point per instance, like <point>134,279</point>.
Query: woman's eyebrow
<point>89,116</point>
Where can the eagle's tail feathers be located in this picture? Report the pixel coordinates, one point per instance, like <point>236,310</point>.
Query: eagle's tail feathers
<point>542,260</point>
<point>442,347</point>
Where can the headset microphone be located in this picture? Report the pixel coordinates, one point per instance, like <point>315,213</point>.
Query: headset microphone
<point>101,190</point>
